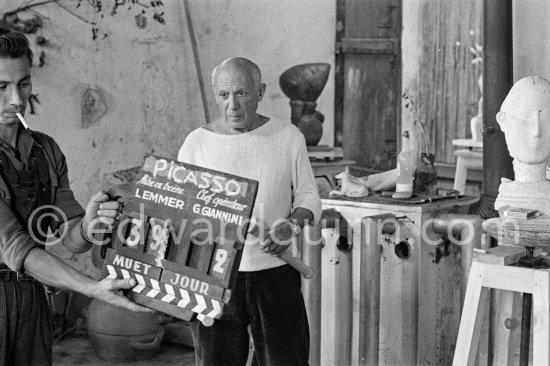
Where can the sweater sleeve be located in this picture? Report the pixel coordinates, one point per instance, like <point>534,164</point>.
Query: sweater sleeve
<point>187,149</point>
<point>304,187</point>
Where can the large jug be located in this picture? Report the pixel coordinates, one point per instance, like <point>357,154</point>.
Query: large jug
<point>119,334</point>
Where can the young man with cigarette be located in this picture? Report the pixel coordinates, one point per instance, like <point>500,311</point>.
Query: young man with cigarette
<point>34,196</point>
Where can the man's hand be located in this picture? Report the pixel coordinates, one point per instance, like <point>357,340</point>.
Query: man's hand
<point>278,238</point>
<point>101,208</point>
<point>110,290</point>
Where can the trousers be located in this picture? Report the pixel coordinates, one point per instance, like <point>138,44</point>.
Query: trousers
<point>25,324</point>
<point>271,303</point>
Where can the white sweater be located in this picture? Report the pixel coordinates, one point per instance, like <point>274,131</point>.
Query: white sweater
<point>275,155</point>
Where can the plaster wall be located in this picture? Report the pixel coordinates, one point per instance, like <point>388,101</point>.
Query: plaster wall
<point>274,34</point>
<point>143,76</point>
<point>143,84</point>
<point>146,80</point>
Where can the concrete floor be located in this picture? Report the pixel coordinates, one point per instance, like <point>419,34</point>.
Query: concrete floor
<point>78,351</point>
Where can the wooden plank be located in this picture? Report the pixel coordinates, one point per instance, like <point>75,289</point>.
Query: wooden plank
<point>370,129</point>
<point>175,311</point>
<point>472,317</point>
<point>328,308</point>
<point>311,288</point>
<point>509,278</point>
<point>541,313</point>
<point>369,45</point>
<point>371,89</point>
<point>339,75</point>
<point>502,255</point>
<point>448,95</point>
<point>439,304</point>
<point>336,308</point>
<point>507,327</point>
<point>199,253</point>
<point>399,299</point>
<point>369,293</point>
<point>372,18</point>
<point>206,258</point>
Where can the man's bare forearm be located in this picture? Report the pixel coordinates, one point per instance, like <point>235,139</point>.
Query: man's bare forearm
<point>52,271</point>
<point>73,240</point>
<point>301,216</point>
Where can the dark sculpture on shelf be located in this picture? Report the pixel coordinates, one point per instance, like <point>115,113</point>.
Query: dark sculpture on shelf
<point>303,84</point>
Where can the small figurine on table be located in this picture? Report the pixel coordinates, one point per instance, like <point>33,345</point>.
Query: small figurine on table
<point>351,186</point>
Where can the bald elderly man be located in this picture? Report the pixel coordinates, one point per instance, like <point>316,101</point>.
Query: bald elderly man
<point>267,293</point>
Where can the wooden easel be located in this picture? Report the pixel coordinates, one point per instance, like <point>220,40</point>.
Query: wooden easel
<point>495,270</point>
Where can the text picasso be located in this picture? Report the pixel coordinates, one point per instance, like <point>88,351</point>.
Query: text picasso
<point>180,174</point>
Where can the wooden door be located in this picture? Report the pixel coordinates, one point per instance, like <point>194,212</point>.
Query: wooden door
<point>368,81</point>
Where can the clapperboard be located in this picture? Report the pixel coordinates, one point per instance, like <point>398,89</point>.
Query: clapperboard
<point>181,237</point>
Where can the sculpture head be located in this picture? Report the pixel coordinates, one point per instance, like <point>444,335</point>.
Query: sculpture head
<point>524,118</point>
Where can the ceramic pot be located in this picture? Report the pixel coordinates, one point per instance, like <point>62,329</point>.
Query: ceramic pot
<point>119,334</point>
<point>311,127</point>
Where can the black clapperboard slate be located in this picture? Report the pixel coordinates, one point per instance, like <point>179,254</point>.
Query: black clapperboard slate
<point>181,237</point>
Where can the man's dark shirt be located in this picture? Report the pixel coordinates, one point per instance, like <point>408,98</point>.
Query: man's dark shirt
<point>15,240</point>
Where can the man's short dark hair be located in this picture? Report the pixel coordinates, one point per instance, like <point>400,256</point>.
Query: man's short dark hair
<point>14,44</point>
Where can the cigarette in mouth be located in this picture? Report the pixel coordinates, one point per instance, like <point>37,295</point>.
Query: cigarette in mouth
<point>22,120</point>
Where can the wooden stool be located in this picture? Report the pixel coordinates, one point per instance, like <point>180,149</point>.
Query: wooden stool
<point>494,271</point>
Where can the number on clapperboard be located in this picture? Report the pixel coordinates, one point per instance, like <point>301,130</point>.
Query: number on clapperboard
<point>135,233</point>
<point>159,234</point>
<point>220,258</point>
<point>157,239</point>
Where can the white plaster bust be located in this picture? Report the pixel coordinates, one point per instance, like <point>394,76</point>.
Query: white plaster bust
<point>524,118</point>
